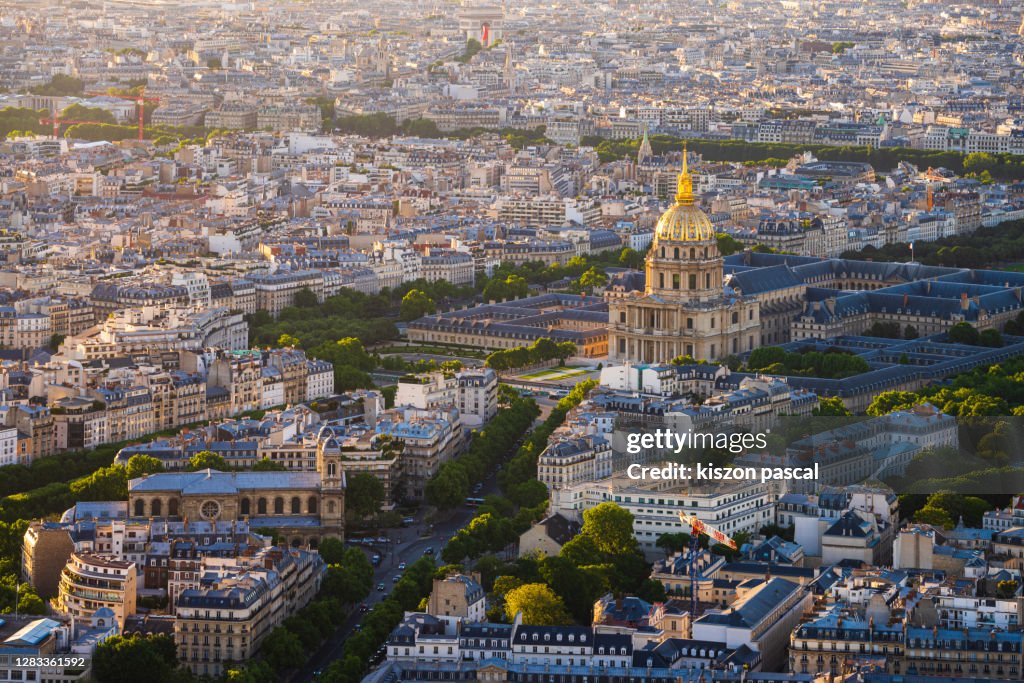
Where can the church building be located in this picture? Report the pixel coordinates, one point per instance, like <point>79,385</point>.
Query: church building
<point>685,308</point>
<point>300,507</point>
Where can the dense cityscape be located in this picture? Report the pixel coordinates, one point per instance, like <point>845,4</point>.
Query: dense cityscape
<point>378,343</point>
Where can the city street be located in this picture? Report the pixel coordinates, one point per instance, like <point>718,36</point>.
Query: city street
<point>408,549</point>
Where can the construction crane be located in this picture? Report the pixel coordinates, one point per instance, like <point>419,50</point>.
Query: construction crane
<point>140,105</point>
<point>57,121</point>
<point>697,528</point>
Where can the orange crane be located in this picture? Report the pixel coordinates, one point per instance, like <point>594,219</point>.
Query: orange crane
<point>57,121</point>
<point>697,528</point>
<point>140,105</point>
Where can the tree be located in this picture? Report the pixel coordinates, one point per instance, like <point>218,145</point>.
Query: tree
<point>60,85</point>
<point>207,460</point>
<point>727,244</point>
<point>673,542</point>
<point>82,113</point>
<point>364,494</point>
<point>306,298</point>
<point>332,550</point>
<point>630,258</point>
<point>119,659</point>
<point>889,401</point>
<point>991,338</point>
<point>592,279</point>
<point>416,304</point>
<point>267,465</point>
<point>964,333</point>
<point>283,650</point>
<point>910,332</point>
<point>1007,589</point>
<point>538,604</point>
<point>140,465</point>
<point>934,516</point>
<point>611,528</point>
<point>831,406</point>
<point>106,483</point>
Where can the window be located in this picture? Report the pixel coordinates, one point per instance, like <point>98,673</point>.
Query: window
<point>210,509</point>
<point>693,281</point>
<point>675,281</point>
<point>735,317</point>
<point>279,506</point>
<point>311,505</point>
<point>244,506</point>
<point>156,507</point>
<point>261,506</point>
<point>140,508</point>
<point>622,316</point>
<point>296,506</point>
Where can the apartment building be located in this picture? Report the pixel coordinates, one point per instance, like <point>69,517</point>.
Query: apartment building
<point>477,396</point>
<point>92,582</point>
<point>239,602</point>
<point>276,291</point>
<point>573,461</point>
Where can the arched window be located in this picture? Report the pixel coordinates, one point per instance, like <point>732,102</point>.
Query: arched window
<point>311,505</point>
<point>172,507</point>
<point>677,253</point>
<point>279,506</point>
<point>296,505</point>
<point>261,506</point>
<point>244,506</point>
<point>140,507</point>
<point>156,507</point>
<point>693,253</point>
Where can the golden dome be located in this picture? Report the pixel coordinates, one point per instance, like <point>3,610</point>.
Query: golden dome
<point>684,222</point>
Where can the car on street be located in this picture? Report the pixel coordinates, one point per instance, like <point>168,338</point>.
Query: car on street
<point>396,578</point>
<point>364,608</point>
<point>401,565</point>
<point>382,539</point>
<point>381,587</point>
<point>428,551</point>
<point>376,560</point>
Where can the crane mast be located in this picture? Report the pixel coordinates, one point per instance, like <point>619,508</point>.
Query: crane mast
<point>698,527</point>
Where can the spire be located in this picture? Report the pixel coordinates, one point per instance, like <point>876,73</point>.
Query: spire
<point>645,151</point>
<point>684,188</point>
